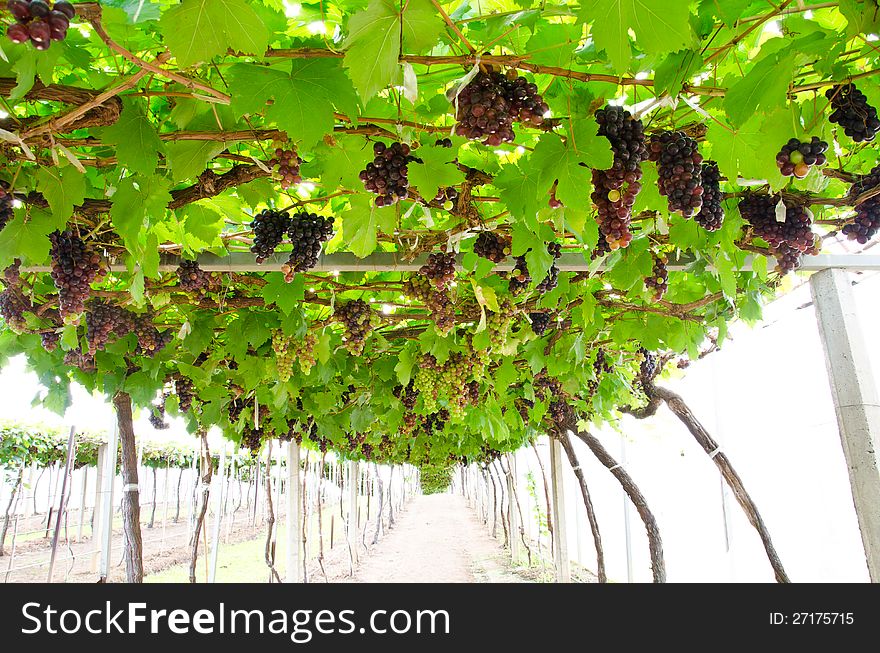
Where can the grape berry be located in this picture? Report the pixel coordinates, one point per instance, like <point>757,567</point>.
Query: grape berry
<point>286,164</point>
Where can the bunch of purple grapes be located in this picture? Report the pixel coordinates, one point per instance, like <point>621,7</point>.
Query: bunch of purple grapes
<point>440,269</point>
<point>492,246</point>
<point>269,227</point>
<point>867,220</point>
<point>615,189</point>
<point>658,282</point>
<point>102,320</point>
<point>286,163</point>
<point>307,232</point>
<point>483,111</point>
<point>74,266</point>
<point>193,279</point>
<point>678,171</point>
<point>39,22</point>
<point>788,239</point>
<point>387,175</point>
<point>795,158</point>
<point>6,200</point>
<point>552,279</point>
<point>852,112</point>
<point>711,215</point>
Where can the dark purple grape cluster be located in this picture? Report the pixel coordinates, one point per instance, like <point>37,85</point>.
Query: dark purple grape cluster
<point>601,249</point>
<point>387,175</point>
<point>615,190</point>
<point>658,282</point>
<point>102,320</point>
<point>540,322</point>
<point>526,104</point>
<point>150,340</point>
<point>443,142</point>
<point>357,320</point>
<point>552,279</point>
<point>438,302</point>
<point>796,158</point>
<point>286,164</point>
<point>519,278</point>
<point>549,389</point>
<point>483,111</point>
<point>193,279</point>
<point>39,22</point>
<point>492,246</point>
<point>12,274</point>
<point>74,266</point>
<point>269,227</point>
<point>13,306</point>
<point>788,239</point>
<point>440,269</point>
<point>85,362</point>
<point>852,112</point>
<point>867,220</point>
<point>678,169</point>
<point>307,232</point>
<point>185,391</point>
<point>6,200</point>
<point>711,215</point>
<point>648,367</point>
<point>157,416</point>
<point>446,197</point>
<point>50,339</point>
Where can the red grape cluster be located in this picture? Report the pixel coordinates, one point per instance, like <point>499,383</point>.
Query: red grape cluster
<point>286,164</point>
<point>852,112</point>
<point>601,249</point>
<point>102,320</point>
<point>50,339</point>
<point>492,246</point>
<point>13,306</point>
<point>157,416</point>
<point>648,367</point>
<point>185,390</point>
<point>615,189</point>
<point>659,279</point>
<point>540,322</point>
<point>357,320</point>
<point>39,22</point>
<point>483,111</point>
<point>85,362</point>
<point>307,231</point>
<point>552,279</point>
<point>711,215</point>
<point>436,301</point>
<point>74,266</point>
<point>795,158</point>
<point>549,389</point>
<point>193,279</point>
<point>150,340</point>
<point>526,104</point>
<point>6,200</point>
<point>386,176</point>
<point>440,269</point>
<point>269,227</point>
<point>788,239</point>
<point>678,170</point>
<point>867,220</point>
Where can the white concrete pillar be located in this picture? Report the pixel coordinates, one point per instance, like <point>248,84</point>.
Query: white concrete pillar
<point>107,500</point>
<point>294,515</point>
<point>512,510</point>
<point>856,401</point>
<point>352,525</point>
<point>557,494</point>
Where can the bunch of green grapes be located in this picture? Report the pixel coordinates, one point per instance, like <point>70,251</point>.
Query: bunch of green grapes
<point>285,355</point>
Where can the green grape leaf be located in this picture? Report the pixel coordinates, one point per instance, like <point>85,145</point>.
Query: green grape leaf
<point>422,26</point>
<point>26,237</point>
<point>659,26</point>
<point>361,224</point>
<point>189,159</point>
<point>64,187</point>
<point>372,47</point>
<point>198,30</point>
<point>762,88</point>
<point>437,170</point>
<point>137,143</point>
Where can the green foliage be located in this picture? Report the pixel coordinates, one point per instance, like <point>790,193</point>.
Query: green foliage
<point>435,479</point>
<point>180,159</point>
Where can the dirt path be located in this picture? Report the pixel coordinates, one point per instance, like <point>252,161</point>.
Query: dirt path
<point>438,539</point>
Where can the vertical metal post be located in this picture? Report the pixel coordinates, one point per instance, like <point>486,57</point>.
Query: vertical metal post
<point>352,526</point>
<point>856,401</point>
<point>294,515</point>
<point>218,516</point>
<point>107,503</point>
<point>82,502</point>
<point>97,508</point>
<point>557,492</point>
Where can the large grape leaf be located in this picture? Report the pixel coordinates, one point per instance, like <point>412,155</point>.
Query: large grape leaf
<point>63,188</point>
<point>518,189</point>
<point>135,199</point>
<point>341,163</point>
<point>137,143</point>
<point>300,102</point>
<point>437,169</point>
<point>659,26</point>
<point>25,237</point>
<point>361,224</point>
<point>188,159</point>
<point>372,47</point>
<point>197,30</point>
<point>422,26</point>
<point>734,149</point>
<point>761,89</point>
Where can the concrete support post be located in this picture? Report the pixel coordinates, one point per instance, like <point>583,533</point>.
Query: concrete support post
<point>557,493</point>
<point>96,510</point>
<point>107,500</point>
<point>856,401</point>
<point>512,510</point>
<point>218,513</point>
<point>294,515</point>
<point>352,526</point>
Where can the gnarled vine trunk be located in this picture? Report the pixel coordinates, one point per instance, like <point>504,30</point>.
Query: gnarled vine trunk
<point>133,553</point>
<point>206,470</point>
<point>655,543</point>
<point>681,410</point>
<point>15,489</point>
<point>588,503</point>
<point>270,518</point>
